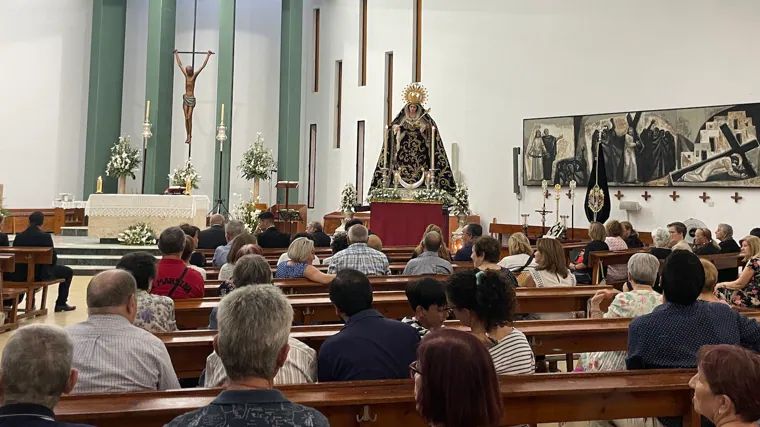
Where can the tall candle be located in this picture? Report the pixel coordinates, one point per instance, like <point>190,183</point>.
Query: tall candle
<point>147,110</point>
<point>222,117</point>
<point>99,188</point>
<point>188,186</point>
<point>432,150</point>
<point>385,149</point>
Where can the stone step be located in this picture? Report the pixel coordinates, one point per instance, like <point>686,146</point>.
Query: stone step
<point>74,231</point>
<point>90,260</point>
<point>104,250</point>
<point>89,270</point>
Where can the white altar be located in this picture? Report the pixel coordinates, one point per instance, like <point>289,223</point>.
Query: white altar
<point>110,214</point>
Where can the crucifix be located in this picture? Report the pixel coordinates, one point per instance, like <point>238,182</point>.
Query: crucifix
<point>619,195</point>
<point>646,196</point>
<point>704,197</point>
<point>736,197</point>
<point>543,213</point>
<point>674,196</point>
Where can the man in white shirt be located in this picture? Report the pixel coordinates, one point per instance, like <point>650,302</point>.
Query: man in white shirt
<point>110,353</point>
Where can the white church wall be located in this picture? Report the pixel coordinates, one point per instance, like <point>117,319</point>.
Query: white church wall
<point>133,93</point>
<point>490,64</point>
<point>45,48</point>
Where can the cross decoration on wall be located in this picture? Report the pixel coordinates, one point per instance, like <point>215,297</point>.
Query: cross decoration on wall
<point>704,197</point>
<point>646,196</point>
<point>619,195</point>
<point>736,197</point>
<point>674,196</point>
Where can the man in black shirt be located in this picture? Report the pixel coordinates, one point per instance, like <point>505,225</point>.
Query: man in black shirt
<point>471,232</point>
<point>725,236</point>
<point>213,237</point>
<point>270,236</point>
<point>321,239</point>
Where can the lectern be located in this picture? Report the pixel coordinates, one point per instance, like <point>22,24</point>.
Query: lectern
<point>288,215</point>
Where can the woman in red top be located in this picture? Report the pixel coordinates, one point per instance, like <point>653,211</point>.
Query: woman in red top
<point>173,278</point>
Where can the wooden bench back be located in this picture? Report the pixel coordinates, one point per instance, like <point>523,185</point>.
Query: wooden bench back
<point>28,258</point>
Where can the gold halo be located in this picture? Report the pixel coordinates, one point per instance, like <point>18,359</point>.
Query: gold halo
<point>415,93</point>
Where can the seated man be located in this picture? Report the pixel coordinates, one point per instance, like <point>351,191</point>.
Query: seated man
<point>725,235</point>
<point>36,371</point>
<point>471,232</point>
<point>233,229</point>
<point>214,235</point>
<point>111,354</point>
<point>359,256</point>
<point>321,239</point>
<point>270,236</point>
<point>369,347</point>
<point>427,297</point>
<point>677,232</point>
<point>174,279</point>
<point>429,262</point>
<point>252,353</point>
<point>35,237</point>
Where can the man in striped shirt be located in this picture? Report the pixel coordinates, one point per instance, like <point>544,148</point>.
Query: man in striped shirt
<point>110,353</point>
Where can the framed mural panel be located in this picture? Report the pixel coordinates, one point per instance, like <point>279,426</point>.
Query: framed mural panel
<point>702,147</point>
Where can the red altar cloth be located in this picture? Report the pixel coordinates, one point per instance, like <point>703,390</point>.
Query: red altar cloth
<point>402,223</point>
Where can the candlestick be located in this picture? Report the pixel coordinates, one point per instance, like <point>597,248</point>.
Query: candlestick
<point>222,117</point>
<point>432,150</point>
<point>147,110</point>
<point>188,186</point>
<point>557,189</point>
<point>99,189</point>
<point>385,148</point>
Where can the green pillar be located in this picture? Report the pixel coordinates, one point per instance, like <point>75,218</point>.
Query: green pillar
<point>109,20</point>
<point>224,84</point>
<point>159,90</point>
<point>289,143</point>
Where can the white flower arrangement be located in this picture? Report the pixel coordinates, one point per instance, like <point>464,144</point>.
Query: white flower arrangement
<point>348,198</point>
<point>179,176</point>
<point>461,201</point>
<point>246,211</point>
<point>379,194</point>
<point>434,195</point>
<point>257,162</point>
<point>125,159</point>
<point>139,234</point>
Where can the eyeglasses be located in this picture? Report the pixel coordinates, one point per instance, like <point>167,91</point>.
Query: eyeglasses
<point>414,370</point>
<point>445,309</point>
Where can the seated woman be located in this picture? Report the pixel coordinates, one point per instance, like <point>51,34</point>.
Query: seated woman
<point>196,258</point>
<point>582,270</point>
<point>485,257</point>
<point>725,386</point>
<point>630,236</point>
<point>614,240</point>
<point>704,243</point>
<point>638,300</point>
<point>661,239</point>
<point>455,384</point>
<point>485,302</point>
<point>443,252</point>
<point>187,256</point>
<point>551,272</point>
<point>339,243</point>
<point>254,270</point>
<point>520,256</point>
<point>228,286</point>
<point>744,291</point>
<point>284,257</point>
<point>301,254</point>
<point>711,279</point>
<point>225,273</point>
<point>155,313</point>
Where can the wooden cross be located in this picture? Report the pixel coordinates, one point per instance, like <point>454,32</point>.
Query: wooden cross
<point>619,195</point>
<point>569,194</point>
<point>646,196</point>
<point>674,196</point>
<point>546,194</point>
<point>736,197</point>
<point>704,197</point>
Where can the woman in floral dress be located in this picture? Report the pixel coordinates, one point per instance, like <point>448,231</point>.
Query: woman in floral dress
<point>155,313</point>
<point>744,291</point>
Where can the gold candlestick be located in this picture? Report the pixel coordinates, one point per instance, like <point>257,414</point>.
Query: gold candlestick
<point>188,186</point>
<point>99,189</point>
<point>147,110</point>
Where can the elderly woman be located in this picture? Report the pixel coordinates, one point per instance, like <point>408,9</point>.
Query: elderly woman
<point>455,383</point>
<point>443,252</point>
<point>711,279</point>
<point>284,257</point>
<point>661,239</point>
<point>638,299</point>
<point>614,240</point>
<point>155,313</point>
<point>485,257</point>
<point>520,254</point>
<point>253,270</point>
<point>225,273</point>
<point>704,243</point>
<point>485,302</point>
<point>744,291</point>
<point>301,254</point>
<point>725,386</point>
<point>582,270</point>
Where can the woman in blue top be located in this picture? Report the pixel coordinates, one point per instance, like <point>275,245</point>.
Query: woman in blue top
<point>301,254</point>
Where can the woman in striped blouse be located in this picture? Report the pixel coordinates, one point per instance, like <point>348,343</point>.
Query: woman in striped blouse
<point>484,301</point>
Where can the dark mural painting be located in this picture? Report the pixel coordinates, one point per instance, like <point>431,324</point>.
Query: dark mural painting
<point>707,146</point>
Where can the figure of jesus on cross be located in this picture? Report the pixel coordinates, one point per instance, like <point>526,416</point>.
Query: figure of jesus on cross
<point>188,99</point>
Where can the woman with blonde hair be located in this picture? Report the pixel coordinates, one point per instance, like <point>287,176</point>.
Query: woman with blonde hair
<point>520,254</point>
<point>301,254</point>
<point>711,279</point>
<point>582,270</point>
<point>443,252</point>
<point>616,273</point>
<point>744,291</point>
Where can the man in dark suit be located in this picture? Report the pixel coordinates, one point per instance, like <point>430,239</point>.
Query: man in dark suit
<point>725,236</point>
<point>471,232</point>
<point>270,236</point>
<point>321,240</point>
<point>213,237</point>
<point>3,236</point>
<point>34,237</point>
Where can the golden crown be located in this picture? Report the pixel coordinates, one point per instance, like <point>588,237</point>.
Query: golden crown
<point>415,93</point>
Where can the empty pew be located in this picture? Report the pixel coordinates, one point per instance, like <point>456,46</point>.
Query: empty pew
<point>531,399</point>
<point>30,258</point>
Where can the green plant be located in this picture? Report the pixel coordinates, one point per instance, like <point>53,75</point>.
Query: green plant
<point>257,161</point>
<point>246,211</point>
<point>179,176</point>
<point>125,159</point>
<point>348,198</point>
<point>139,234</point>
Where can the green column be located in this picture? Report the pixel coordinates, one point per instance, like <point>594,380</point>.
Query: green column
<point>225,79</point>
<point>159,88</point>
<point>289,143</point>
<point>109,18</point>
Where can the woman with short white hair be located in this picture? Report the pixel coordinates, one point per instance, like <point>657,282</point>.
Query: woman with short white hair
<point>301,254</point>
<point>661,239</point>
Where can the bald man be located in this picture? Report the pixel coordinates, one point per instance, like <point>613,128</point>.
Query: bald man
<point>213,237</point>
<point>110,353</point>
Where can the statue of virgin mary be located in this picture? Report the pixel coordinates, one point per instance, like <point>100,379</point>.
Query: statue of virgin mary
<point>407,148</point>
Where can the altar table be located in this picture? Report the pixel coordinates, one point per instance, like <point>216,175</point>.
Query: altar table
<point>110,214</point>
<point>403,223</point>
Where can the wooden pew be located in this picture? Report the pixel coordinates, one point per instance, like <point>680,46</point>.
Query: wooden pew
<point>499,231</point>
<point>31,257</point>
<point>309,308</point>
<point>529,399</point>
<point>8,265</point>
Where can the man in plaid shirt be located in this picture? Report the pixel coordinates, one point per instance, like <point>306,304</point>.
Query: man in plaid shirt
<point>359,256</point>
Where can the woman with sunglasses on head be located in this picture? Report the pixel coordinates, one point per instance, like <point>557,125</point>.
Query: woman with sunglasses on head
<point>485,301</point>
<point>455,384</point>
